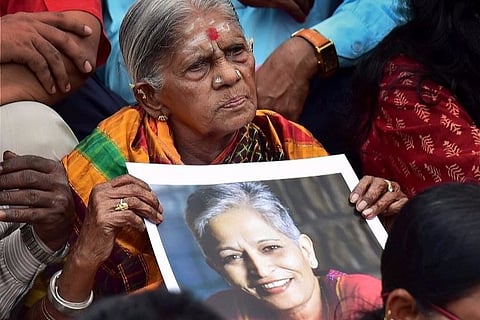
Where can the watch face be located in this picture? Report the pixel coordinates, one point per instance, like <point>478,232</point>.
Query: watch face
<point>330,60</point>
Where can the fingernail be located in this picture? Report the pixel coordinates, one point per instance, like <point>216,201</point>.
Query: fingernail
<point>362,205</point>
<point>367,212</point>
<point>87,66</point>
<point>54,90</point>
<point>87,29</point>
<point>68,87</point>
<point>159,217</point>
<point>354,197</point>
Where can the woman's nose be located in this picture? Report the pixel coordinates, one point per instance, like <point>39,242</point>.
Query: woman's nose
<point>259,265</point>
<point>226,74</point>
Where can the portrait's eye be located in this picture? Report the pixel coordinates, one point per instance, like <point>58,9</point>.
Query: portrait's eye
<point>271,248</point>
<point>231,258</point>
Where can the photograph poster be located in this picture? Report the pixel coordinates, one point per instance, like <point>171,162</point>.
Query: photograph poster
<point>298,225</point>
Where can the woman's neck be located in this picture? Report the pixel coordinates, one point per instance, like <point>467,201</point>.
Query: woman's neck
<point>202,150</point>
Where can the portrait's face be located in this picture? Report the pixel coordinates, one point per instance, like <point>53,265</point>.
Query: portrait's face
<point>261,261</point>
<point>211,48</point>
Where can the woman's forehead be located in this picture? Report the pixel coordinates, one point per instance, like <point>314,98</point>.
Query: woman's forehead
<point>213,27</point>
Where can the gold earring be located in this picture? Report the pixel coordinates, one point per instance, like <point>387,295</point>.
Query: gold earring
<point>162,118</point>
<point>141,92</point>
<point>388,315</point>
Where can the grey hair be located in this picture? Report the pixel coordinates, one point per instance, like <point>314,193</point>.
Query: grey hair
<point>151,32</point>
<point>209,202</point>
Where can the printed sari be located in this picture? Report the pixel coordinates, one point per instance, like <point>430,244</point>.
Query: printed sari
<point>131,135</point>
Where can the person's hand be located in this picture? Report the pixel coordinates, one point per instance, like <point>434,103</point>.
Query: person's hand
<point>38,41</point>
<point>103,223</point>
<point>372,197</point>
<point>297,9</point>
<point>38,192</point>
<point>283,80</point>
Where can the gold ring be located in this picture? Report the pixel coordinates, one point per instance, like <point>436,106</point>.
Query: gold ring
<point>389,185</point>
<point>121,206</point>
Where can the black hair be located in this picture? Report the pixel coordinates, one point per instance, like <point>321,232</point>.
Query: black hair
<point>432,249</point>
<point>150,305</point>
<point>444,36</point>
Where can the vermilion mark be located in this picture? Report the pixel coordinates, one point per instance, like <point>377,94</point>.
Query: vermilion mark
<point>212,33</point>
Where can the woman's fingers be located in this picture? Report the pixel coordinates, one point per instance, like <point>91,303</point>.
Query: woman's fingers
<point>373,196</point>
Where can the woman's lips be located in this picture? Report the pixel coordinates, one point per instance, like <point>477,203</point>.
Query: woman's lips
<point>274,287</point>
<point>234,102</point>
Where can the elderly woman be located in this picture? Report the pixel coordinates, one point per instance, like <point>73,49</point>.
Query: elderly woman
<point>247,235</point>
<point>193,74</point>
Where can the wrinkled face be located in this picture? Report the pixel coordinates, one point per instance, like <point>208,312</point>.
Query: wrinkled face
<point>261,261</point>
<point>198,102</point>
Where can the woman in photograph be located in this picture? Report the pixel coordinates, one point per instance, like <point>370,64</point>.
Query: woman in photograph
<point>247,235</point>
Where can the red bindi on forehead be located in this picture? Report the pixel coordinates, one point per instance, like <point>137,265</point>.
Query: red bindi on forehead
<point>212,33</point>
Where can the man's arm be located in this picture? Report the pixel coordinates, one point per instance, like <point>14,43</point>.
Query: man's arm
<point>18,266</point>
<point>355,28</point>
<point>74,51</point>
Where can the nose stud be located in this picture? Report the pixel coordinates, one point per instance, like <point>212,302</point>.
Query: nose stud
<point>239,75</point>
<point>217,80</point>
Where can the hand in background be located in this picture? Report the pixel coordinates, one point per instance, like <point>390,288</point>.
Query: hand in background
<point>372,197</point>
<point>283,80</point>
<point>38,40</point>
<point>38,192</point>
<point>298,9</point>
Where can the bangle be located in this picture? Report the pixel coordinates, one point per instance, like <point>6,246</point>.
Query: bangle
<point>62,305</point>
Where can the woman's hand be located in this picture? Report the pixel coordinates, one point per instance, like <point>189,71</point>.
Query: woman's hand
<point>103,221</point>
<point>373,196</point>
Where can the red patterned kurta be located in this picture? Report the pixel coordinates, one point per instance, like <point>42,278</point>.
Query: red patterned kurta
<point>415,143</point>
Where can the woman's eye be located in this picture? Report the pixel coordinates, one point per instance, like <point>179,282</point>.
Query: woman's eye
<point>198,66</point>
<point>235,51</point>
<point>271,248</point>
<point>231,258</point>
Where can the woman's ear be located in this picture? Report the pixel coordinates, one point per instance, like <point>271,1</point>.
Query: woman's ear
<point>145,95</point>
<point>401,305</point>
<point>306,245</point>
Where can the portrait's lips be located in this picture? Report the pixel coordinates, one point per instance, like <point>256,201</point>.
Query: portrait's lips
<point>234,102</point>
<point>273,287</point>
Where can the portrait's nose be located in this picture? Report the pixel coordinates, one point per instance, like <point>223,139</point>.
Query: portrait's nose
<point>259,265</point>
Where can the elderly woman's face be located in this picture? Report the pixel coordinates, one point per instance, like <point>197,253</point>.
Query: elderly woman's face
<point>209,85</point>
<point>261,261</point>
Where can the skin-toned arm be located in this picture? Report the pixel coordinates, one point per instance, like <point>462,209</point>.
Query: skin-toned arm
<point>298,9</point>
<point>97,236</point>
<point>355,28</point>
<point>39,192</point>
<point>46,55</point>
<point>286,92</point>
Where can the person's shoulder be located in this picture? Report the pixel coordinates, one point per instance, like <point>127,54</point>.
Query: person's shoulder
<point>356,285</point>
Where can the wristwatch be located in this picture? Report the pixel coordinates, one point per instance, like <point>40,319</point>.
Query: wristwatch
<point>324,50</point>
<point>31,242</point>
